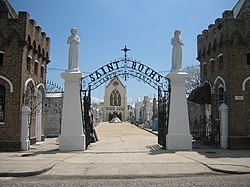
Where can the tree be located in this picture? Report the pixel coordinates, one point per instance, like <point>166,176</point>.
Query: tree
<point>193,80</point>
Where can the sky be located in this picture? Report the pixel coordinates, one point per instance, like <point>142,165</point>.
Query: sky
<point>106,26</point>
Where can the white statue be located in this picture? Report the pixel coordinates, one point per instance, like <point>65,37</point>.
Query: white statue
<point>73,40</point>
<point>177,51</point>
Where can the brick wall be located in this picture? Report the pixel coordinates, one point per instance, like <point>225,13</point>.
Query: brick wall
<point>21,40</point>
<point>231,38</point>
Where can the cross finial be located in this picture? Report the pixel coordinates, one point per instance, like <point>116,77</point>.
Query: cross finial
<point>125,51</point>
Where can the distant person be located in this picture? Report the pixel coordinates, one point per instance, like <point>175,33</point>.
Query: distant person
<point>73,40</point>
<point>176,51</point>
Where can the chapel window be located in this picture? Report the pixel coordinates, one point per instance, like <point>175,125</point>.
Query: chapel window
<point>115,98</point>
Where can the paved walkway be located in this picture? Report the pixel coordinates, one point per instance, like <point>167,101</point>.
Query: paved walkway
<point>123,150</point>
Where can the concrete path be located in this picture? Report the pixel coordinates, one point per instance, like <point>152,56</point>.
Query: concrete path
<point>123,150</point>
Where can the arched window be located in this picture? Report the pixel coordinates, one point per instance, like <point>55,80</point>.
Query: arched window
<point>43,52</point>
<point>1,58</point>
<point>221,95</point>
<point>36,67</point>
<point>28,65</point>
<point>42,72</point>
<point>34,44</point>
<point>47,55</point>
<point>28,95</point>
<point>115,98</point>
<point>212,66</point>
<point>221,63</point>
<point>39,48</point>
<point>29,40</point>
<point>2,103</point>
<point>204,69</point>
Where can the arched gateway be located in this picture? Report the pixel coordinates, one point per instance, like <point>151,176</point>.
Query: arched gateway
<point>127,68</point>
<point>173,131</point>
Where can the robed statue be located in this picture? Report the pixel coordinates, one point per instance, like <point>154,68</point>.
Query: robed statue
<point>176,51</point>
<point>73,40</point>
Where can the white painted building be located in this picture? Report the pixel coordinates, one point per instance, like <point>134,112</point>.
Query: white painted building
<point>115,100</point>
<point>144,110</point>
<point>138,111</point>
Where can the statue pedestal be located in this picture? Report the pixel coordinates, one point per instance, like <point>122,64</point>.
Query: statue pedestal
<point>72,137</point>
<point>178,137</point>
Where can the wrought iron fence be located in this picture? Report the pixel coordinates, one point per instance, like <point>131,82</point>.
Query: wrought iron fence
<point>163,114</point>
<point>205,132</point>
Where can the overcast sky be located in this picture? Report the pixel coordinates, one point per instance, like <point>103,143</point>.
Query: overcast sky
<point>106,26</point>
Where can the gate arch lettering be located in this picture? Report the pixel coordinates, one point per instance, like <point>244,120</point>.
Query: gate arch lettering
<point>125,68</point>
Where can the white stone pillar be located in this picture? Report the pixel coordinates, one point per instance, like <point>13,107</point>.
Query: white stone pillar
<point>25,142</point>
<point>223,126</point>
<point>178,137</point>
<point>72,136</point>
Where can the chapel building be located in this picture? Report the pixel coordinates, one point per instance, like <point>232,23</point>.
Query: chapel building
<point>24,55</point>
<point>224,57</point>
<point>115,101</point>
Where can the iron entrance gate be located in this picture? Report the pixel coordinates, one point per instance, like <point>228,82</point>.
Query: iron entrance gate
<point>88,125</point>
<point>205,129</point>
<point>127,68</point>
<point>205,132</point>
<point>163,115</point>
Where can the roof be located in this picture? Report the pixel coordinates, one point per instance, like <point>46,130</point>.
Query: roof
<point>201,95</point>
<point>113,79</point>
<point>5,6</point>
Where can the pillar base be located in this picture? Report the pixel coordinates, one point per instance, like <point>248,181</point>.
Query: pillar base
<point>72,136</point>
<point>178,137</point>
<point>180,142</point>
<point>72,143</point>
<point>25,145</point>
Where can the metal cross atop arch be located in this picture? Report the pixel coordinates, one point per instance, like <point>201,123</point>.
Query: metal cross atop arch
<point>125,51</point>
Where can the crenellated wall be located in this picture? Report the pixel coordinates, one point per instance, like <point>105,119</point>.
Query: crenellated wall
<point>26,50</point>
<point>223,52</point>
